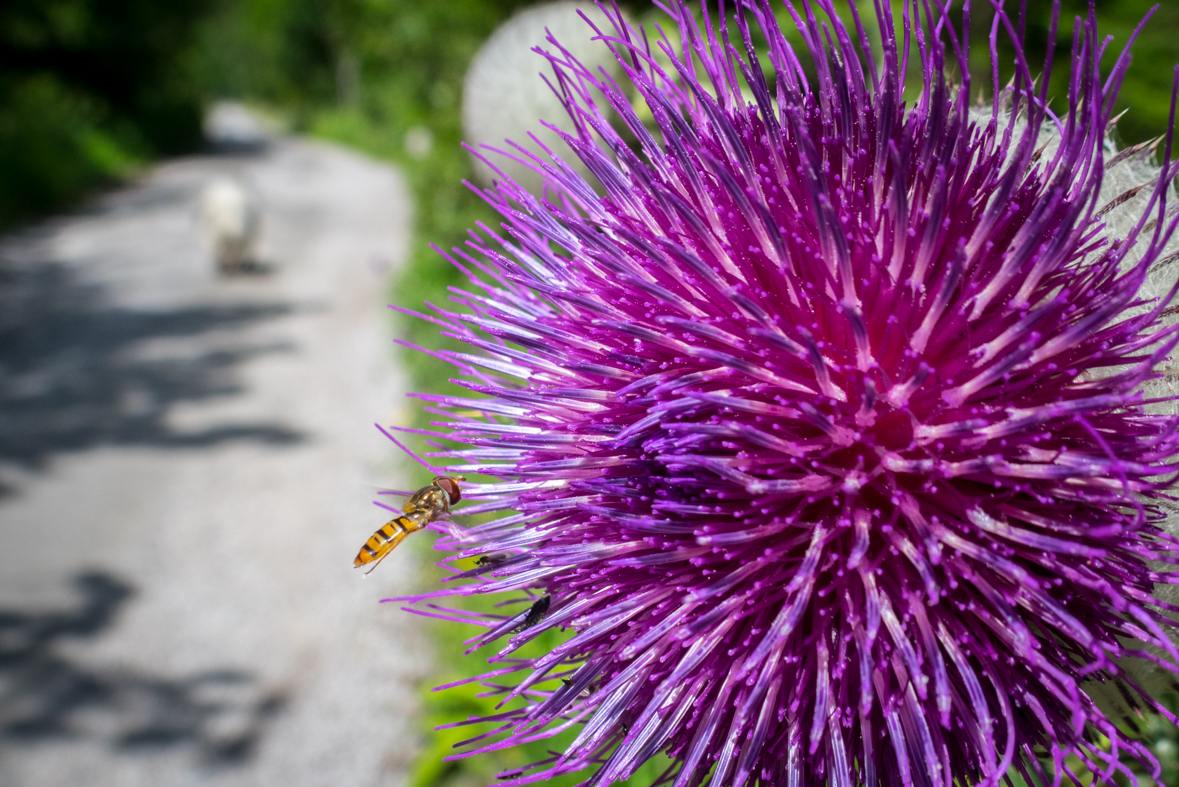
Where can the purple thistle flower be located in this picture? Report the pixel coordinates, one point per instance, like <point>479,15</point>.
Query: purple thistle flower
<point>837,429</point>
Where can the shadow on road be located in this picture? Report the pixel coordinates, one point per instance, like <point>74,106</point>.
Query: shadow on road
<point>76,373</point>
<point>45,694</point>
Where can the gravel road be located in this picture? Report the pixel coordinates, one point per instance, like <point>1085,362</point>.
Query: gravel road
<point>187,462</point>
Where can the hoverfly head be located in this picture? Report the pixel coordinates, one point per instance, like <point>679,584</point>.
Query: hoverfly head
<point>450,486</point>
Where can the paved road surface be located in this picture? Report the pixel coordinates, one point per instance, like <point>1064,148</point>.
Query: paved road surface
<point>186,465</point>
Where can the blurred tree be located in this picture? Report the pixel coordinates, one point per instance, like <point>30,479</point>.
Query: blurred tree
<point>87,87</point>
<point>277,51</point>
<point>293,52</point>
<point>127,54</point>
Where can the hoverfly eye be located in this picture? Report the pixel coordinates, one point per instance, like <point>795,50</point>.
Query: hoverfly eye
<point>450,487</point>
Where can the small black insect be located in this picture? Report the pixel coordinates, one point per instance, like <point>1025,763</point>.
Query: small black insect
<point>583,694</point>
<point>536,613</point>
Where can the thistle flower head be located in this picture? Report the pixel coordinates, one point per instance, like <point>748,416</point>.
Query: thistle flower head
<point>834,426</point>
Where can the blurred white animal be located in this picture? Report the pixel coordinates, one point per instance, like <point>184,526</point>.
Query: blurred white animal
<point>232,220</point>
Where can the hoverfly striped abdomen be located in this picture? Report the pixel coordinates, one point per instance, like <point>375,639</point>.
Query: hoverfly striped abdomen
<point>377,543</point>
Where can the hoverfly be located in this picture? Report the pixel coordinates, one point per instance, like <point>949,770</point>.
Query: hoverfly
<point>423,507</point>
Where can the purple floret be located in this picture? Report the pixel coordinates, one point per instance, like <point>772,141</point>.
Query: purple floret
<point>824,425</point>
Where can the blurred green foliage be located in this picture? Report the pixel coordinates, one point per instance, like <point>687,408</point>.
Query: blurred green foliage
<point>89,88</point>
